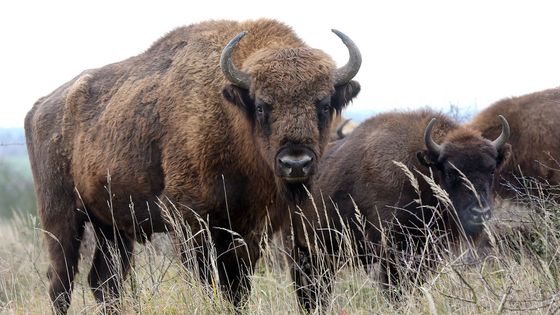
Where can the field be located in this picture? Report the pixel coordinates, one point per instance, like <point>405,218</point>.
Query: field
<point>519,274</point>
<point>515,269</point>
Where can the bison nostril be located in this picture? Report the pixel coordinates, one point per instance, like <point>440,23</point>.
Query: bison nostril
<point>296,166</point>
<point>306,165</point>
<point>482,213</point>
<point>284,163</point>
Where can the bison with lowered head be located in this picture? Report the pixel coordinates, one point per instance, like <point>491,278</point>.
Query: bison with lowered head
<point>533,118</point>
<point>224,121</point>
<point>365,192</point>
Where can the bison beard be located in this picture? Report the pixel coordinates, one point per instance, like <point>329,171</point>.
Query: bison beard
<point>295,193</point>
<point>175,127</point>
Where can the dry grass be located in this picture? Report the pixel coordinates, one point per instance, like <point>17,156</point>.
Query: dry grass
<point>519,273</point>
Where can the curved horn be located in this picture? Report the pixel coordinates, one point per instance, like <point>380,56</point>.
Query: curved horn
<point>345,73</point>
<point>340,128</point>
<point>504,136</point>
<point>234,75</point>
<point>430,143</point>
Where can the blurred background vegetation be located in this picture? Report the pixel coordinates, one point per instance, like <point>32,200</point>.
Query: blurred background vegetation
<point>16,183</point>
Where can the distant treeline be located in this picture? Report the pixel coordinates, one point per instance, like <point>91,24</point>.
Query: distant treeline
<point>16,185</point>
<point>12,142</point>
<point>461,114</point>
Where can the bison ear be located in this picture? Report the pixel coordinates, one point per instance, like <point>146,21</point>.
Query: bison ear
<point>426,158</point>
<point>504,156</point>
<point>240,97</point>
<point>344,94</point>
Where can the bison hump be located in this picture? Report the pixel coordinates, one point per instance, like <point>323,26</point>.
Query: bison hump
<point>76,99</point>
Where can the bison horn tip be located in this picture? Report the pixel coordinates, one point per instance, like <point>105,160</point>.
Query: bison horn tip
<point>340,129</point>
<point>504,136</point>
<point>430,143</point>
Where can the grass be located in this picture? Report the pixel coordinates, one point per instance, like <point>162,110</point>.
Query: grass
<point>518,274</point>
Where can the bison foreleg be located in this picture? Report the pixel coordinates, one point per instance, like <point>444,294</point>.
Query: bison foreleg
<point>111,264</point>
<point>389,275</point>
<point>236,258</point>
<point>225,260</point>
<point>313,278</point>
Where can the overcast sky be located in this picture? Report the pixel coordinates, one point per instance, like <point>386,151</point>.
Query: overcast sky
<point>415,53</point>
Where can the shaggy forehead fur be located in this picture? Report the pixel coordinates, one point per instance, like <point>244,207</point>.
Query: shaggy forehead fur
<point>463,138</point>
<point>279,74</point>
<point>463,134</point>
<point>470,146</point>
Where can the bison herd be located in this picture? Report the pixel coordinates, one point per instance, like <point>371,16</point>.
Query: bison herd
<point>225,133</point>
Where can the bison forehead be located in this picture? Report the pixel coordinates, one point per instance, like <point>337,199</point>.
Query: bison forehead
<point>268,59</point>
<point>467,143</point>
<point>290,72</point>
<point>472,155</point>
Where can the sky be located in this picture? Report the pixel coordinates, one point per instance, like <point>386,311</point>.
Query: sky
<point>415,53</point>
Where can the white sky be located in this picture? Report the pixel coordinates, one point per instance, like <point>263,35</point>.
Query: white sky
<point>415,53</point>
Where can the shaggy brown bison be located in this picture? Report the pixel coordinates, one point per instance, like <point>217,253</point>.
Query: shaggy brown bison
<point>366,193</point>
<point>533,119</point>
<point>223,131</point>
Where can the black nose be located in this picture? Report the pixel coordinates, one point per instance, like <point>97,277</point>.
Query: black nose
<point>295,167</point>
<point>481,214</point>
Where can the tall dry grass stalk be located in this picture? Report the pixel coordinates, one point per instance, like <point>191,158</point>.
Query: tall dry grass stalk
<point>513,269</point>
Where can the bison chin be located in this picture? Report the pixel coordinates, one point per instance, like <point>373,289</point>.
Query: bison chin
<point>294,192</point>
<point>472,230</point>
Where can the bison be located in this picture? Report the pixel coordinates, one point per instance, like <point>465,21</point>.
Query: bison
<point>366,193</point>
<point>223,121</point>
<point>535,150</point>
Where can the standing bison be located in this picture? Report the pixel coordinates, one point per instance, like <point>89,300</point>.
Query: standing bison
<point>223,132</point>
<point>377,203</point>
<point>535,147</point>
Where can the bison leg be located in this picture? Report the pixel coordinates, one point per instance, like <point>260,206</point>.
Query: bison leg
<point>63,244</point>
<point>389,275</point>
<point>400,263</point>
<point>111,264</point>
<point>313,278</point>
<point>236,260</point>
<point>235,273</point>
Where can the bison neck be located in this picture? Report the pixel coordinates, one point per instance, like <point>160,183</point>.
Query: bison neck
<point>219,173</point>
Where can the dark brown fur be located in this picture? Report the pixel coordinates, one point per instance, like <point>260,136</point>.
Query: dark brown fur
<point>360,169</point>
<point>169,130</point>
<point>533,119</point>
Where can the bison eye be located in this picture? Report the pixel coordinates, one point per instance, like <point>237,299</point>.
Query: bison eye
<point>261,108</point>
<point>324,105</point>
